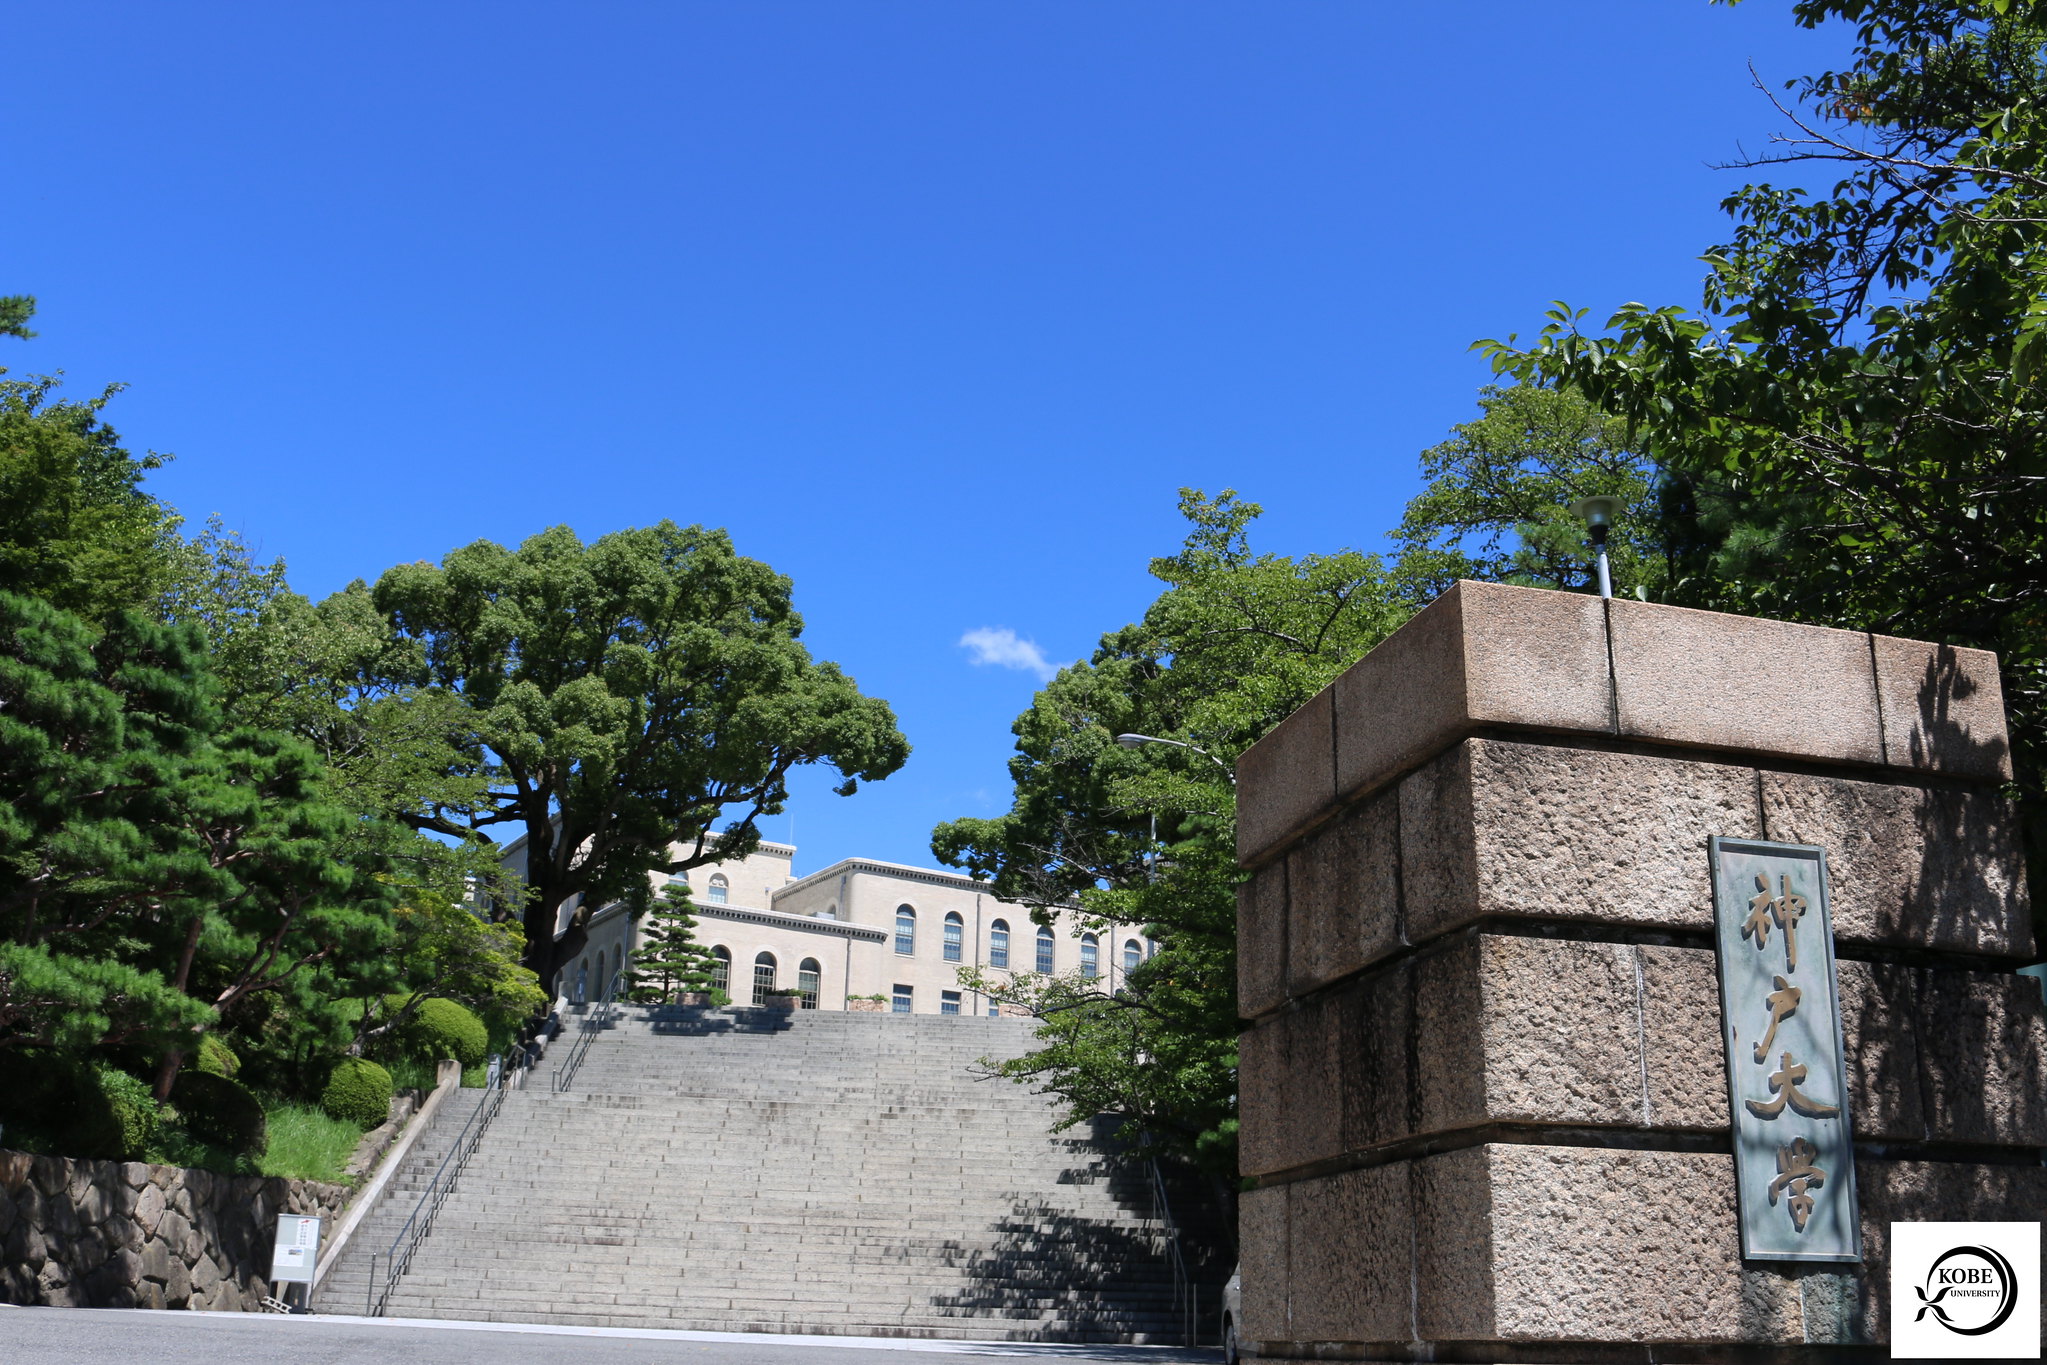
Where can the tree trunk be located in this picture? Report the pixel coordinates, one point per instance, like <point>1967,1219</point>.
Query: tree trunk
<point>545,954</point>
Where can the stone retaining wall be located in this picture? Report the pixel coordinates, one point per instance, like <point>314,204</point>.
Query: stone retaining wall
<point>111,1234</point>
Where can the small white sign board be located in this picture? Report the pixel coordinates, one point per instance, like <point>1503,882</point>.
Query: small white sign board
<point>297,1250</point>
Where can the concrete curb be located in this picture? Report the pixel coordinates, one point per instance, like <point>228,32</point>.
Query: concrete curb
<point>447,1080</point>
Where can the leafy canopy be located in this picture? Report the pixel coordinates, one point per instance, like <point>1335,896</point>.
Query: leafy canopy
<point>611,701</point>
<point>1236,642</point>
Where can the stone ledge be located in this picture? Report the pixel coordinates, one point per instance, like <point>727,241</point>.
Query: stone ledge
<point>1487,656</point>
<point>1471,1247</point>
<point>1498,1029</point>
<point>1497,829</point>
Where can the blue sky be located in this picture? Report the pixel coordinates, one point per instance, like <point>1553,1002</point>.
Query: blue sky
<point>934,305</point>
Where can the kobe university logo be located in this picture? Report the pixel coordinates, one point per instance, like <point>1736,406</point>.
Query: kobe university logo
<point>1969,1290</point>
<point>1965,1291</point>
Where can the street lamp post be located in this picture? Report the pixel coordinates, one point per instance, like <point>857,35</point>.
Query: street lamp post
<point>1599,513</point>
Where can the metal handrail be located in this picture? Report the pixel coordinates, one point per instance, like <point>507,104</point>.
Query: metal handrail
<point>399,1258</point>
<point>593,1023</point>
<point>1186,1292</point>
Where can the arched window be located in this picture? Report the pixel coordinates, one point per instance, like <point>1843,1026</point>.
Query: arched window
<point>763,977</point>
<point>1132,955</point>
<point>1090,954</point>
<point>721,968</point>
<point>998,943</point>
<point>955,932</point>
<point>582,981</point>
<point>721,890</point>
<point>806,981</point>
<point>1044,949</point>
<point>906,930</point>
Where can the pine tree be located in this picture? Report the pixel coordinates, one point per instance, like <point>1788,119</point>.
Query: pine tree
<point>669,959</point>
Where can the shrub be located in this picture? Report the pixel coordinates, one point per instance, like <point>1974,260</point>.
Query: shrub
<point>216,1058</point>
<point>117,1115</point>
<point>221,1111</point>
<point>444,1028</point>
<point>358,1091</point>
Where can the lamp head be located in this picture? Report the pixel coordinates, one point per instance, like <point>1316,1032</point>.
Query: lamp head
<point>1598,512</point>
<point>1133,741</point>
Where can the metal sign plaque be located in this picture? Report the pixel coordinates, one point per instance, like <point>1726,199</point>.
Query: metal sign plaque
<point>1794,1157</point>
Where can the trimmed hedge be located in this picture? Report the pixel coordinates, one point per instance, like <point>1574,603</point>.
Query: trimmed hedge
<point>358,1091</point>
<point>222,1111</point>
<point>67,1106</point>
<point>445,1028</point>
<point>216,1058</point>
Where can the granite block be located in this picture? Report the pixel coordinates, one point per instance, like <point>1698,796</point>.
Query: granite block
<point>1943,709</point>
<point>1626,1246</point>
<point>1681,1035</point>
<point>1262,1253</point>
<point>1562,1041</point>
<point>1909,865</point>
<point>1449,1081</point>
<point>1343,903</point>
<point>1881,1029</point>
<point>1496,827</point>
<point>1710,680</point>
<point>1261,1108</point>
<point>1983,1056</point>
<point>1261,941</point>
<point>1482,654</point>
<point>1453,1246</point>
<point>1286,781</point>
<point>1373,1022</point>
<point>1351,1252</point>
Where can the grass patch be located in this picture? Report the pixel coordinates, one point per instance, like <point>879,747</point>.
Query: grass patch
<point>305,1144</point>
<point>410,1073</point>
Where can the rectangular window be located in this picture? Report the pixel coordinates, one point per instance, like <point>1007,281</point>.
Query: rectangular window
<point>994,1010</point>
<point>948,1002</point>
<point>901,1004</point>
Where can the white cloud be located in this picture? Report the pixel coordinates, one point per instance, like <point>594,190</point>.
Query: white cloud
<point>999,645</point>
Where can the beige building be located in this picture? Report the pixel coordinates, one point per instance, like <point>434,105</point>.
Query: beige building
<point>858,928</point>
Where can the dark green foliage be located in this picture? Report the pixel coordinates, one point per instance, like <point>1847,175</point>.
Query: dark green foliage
<point>216,1058</point>
<point>1236,642</point>
<point>15,311</point>
<point>76,529</point>
<point>1854,421</point>
<point>358,1091</point>
<point>1497,505</point>
<point>442,1028</point>
<point>66,1105</point>
<point>615,699</point>
<point>118,1117</point>
<point>222,1112</point>
<point>669,960</point>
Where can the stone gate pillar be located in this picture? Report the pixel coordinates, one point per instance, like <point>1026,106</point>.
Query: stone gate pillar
<point>1485,1096</point>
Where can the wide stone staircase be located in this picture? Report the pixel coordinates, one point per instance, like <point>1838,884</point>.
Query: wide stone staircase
<point>346,1287</point>
<point>823,1172</point>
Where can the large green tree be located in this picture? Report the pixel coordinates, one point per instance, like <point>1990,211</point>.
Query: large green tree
<point>1497,503</point>
<point>1853,420</point>
<point>159,869</point>
<point>616,702</point>
<point>76,528</point>
<point>1236,642</point>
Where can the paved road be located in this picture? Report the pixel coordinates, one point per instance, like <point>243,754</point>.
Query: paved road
<point>107,1336</point>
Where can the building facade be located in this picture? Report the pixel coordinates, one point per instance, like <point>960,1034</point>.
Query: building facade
<point>859,930</point>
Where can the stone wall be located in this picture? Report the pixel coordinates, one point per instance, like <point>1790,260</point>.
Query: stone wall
<point>110,1234</point>
<point>1483,1093</point>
